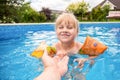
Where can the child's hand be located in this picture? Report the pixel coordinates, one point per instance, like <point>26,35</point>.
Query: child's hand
<point>61,54</point>
<point>81,62</point>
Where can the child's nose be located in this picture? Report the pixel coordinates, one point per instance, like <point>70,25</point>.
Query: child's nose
<point>65,28</point>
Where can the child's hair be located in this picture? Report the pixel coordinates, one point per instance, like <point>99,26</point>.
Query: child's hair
<point>68,18</point>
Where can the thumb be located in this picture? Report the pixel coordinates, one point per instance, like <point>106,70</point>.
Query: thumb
<point>45,55</point>
<point>45,52</point>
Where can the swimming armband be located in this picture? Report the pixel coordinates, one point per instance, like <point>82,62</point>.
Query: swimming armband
<point>92,47</point>
<point>38,54</point>
<point>40,50</point>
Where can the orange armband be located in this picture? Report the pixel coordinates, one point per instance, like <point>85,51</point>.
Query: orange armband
<point>38,53</point>
<point>92,47</point>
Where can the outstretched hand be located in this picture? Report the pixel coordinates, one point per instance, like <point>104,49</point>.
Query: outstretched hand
<point>54,67</point>
<point>55,62</point>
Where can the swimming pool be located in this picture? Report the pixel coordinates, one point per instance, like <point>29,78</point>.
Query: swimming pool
<point>18,41</point>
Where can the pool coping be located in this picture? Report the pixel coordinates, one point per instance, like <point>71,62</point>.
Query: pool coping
<point>50,23</point>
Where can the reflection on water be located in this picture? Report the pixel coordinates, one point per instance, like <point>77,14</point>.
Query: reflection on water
<point>17,43</point>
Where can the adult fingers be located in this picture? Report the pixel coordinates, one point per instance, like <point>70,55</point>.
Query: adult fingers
<point>56,58</point>
<point>65,59</point>
<point>45,55</point>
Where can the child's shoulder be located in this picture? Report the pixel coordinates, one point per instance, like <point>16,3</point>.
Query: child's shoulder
<point>79,45</point>
<point>55,44</point>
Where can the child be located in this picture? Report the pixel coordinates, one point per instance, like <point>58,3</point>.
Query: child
<point>67,29</point>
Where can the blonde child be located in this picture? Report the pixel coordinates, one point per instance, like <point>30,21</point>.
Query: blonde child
<point>67,29</point>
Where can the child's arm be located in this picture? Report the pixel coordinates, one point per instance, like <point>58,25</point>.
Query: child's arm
<point>91,57</point>
<point>81,61</point>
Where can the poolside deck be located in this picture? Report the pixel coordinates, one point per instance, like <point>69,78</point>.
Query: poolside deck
<point>113,15</point>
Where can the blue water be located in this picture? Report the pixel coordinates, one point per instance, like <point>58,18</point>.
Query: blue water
<point>18,41</point>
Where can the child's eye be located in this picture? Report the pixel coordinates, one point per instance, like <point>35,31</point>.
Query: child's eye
<point>70,27</point>
<point>60,27</point>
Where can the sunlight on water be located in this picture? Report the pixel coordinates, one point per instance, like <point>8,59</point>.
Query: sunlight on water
<point>18,43</point>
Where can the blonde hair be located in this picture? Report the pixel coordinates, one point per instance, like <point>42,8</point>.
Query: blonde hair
<point>68,18</point>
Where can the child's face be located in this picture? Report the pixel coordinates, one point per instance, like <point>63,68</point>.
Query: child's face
<point>66,32</point>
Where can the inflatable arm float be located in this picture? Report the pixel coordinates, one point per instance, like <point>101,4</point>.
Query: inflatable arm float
<point>40,50</point>
<point>92,47</point>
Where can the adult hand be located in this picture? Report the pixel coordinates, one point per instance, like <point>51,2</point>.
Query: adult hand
<point>54,67</point>
<point>55,62</point>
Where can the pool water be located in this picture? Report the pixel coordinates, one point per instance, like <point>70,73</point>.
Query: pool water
<point>18,41</point>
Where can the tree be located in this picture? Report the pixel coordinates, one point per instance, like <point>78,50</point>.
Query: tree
<point>72,7</point>
<point>78,8</point>
<point>97,14</point>
<point>100,12</point>
<point>15,11</point>
<point>28,15</point>
<point>47,12</point>
<point>106,9</point>
<point>8,10</point>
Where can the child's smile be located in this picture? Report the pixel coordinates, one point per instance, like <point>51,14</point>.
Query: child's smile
<point>65,34</point>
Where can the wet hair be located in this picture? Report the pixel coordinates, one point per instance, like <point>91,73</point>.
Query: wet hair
<point>67,18</point>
